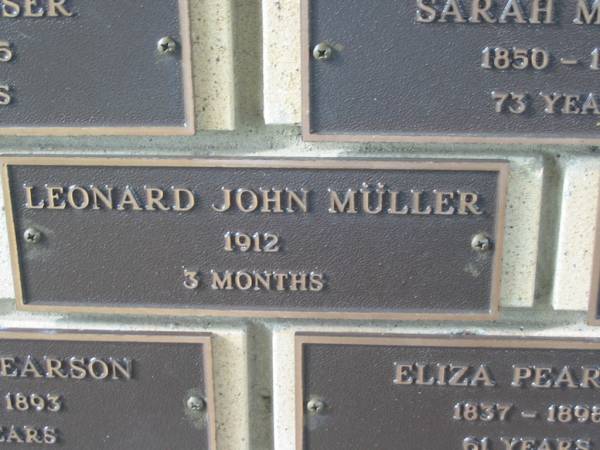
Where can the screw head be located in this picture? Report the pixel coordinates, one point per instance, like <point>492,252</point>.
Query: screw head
<point>315,406</point>
<point>323,52</point>
<point>32,236</point>
<point>195,404</point>
<point>481,243</point>
<point>166,45</point>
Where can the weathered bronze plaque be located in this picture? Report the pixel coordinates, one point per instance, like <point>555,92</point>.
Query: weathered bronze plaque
<point>296,238</point>
<point>73,67</point>
<point>446,393</point>
<point>452,70</point>
<point>106,391</point>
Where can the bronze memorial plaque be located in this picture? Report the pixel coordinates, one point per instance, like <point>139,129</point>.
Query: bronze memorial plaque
<point>296,238</point>
<point>110,391</point>
<point>452,70</point>
<point>446,393</point>
<point>110,67</point>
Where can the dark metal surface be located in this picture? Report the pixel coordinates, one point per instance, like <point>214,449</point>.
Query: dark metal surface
<point>99,68</point>
<point>594,304</point>
<point>391,78</point>
<point>379,266</point>
<point>364,408</point>
<point>147,411</point>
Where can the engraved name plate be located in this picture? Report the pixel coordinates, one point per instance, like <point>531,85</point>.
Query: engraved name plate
<point>296,238</point>
<point>77,67</point>
<point>106,391</point>
<point>451,70</point>
<point>446,393</point>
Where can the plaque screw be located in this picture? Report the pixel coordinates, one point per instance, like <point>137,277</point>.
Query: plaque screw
<point>315,406</point>
<point>195,404</point>
<point>166,45</point>
<point>481,243</point>
<point>323,52</point>
<point>32,236</point>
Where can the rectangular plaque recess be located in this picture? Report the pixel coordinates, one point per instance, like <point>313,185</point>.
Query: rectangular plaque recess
<point>83,67</point>
<point>418,239</point>
<point>446,393</point>
<point>594,303</point>
<point>106,390</point>
<point>449,71</point>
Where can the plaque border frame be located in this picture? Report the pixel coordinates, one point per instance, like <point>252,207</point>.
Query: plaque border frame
<point>412,340</point>
<point>501,167</point>
<point>104,336</point>
<point>418,138</point>
<point>594,301</point>
<point>187,129</point>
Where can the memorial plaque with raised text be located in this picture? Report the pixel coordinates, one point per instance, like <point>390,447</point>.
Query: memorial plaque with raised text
<point>452,70</point>
<point>73,67</point>
<point>109,391</point>
<point>446,393</point>
<point>297,238</point>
